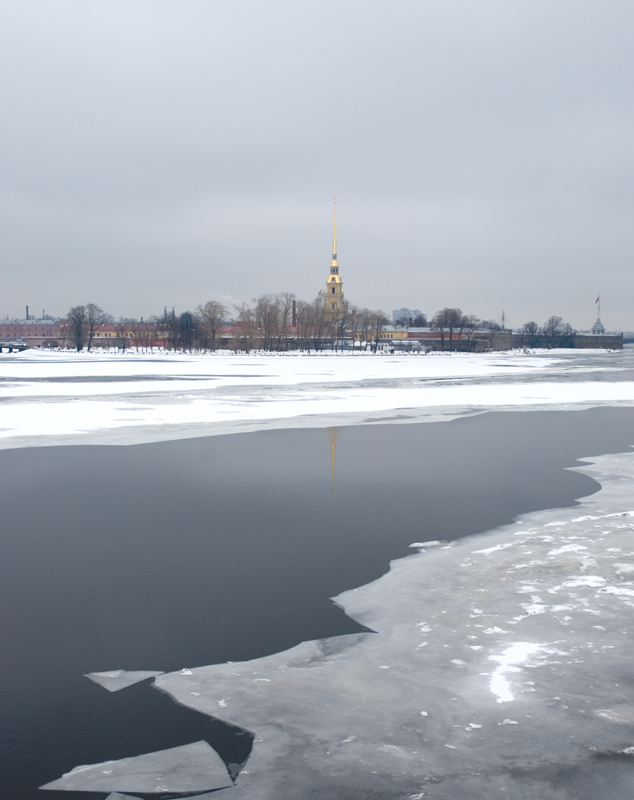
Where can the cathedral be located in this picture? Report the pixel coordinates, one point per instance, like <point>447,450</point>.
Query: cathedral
<point>334,284</point>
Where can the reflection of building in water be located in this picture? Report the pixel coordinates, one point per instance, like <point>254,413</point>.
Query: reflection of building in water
<point>333,448</point>
<point>334,284</point>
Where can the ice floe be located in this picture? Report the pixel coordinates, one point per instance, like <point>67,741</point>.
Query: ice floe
<point>117,796</point>
<point>190,768</point>
<point>117,679</point>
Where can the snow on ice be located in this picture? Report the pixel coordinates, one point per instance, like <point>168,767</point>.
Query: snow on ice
<point>58,398</point>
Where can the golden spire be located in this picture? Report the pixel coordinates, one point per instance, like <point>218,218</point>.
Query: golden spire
<point>334,262</point>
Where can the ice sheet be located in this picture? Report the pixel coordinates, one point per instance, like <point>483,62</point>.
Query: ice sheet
<point>114,680</point>
<point>413,709</point>
<point>190,768</point>
<point>69,373</point>
<point>57,398</point>
<point>117,796</point>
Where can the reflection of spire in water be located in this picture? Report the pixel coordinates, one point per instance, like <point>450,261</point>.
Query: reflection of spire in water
<point>333,447</point>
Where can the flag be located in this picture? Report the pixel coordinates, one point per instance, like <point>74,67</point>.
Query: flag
<point>598,298</point>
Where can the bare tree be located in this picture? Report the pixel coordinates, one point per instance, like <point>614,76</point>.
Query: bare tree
<point>283,318</point>
<point>306,324</point>
<point>448,319</point>
<point>212,315</point>
<point>552,327</point>
<point>378,321</point>
<point>364,320</point>
<point>76,326</point>
<point>341,322</point>
<point>491,325</point>
<point>419,321</point>
<point>187,331</point>
<point>123,340</point>
<point>354,324</point>
<point>454,320</point>
<point>315,323</point>
<point>248,325</point>
<point>471,323</point>
<point>530,330</point>
<point>324,329</point>
<point>266,314</point>
<point>272,315</point>
<point>66,332</point>
<point>95,318</point>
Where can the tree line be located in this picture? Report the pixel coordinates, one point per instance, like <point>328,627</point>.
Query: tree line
<point>271,322</point>
<point>553,333</point>
<point>282,322</point>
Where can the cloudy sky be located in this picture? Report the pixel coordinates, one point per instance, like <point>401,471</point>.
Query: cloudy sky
<point>167,153</point>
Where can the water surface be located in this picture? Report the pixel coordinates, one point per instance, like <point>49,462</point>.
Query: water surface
<point>199,551</point>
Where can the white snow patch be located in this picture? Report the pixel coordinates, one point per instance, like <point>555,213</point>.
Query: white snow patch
<point>534,608</point>
<point>516,654</point>
<point>617,590</point>
<point>567,548</point>
<point>592,581</point>
<point>488,550</point>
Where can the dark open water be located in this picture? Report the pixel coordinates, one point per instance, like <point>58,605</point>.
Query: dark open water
<point>179,554</point>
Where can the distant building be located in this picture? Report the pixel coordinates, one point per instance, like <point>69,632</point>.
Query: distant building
<point>33,331</point>
<point>334,284</point>
<point>405,313</point>
<point>598,329</point>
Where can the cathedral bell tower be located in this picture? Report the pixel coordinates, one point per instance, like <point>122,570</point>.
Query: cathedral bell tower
<point>334,284</point>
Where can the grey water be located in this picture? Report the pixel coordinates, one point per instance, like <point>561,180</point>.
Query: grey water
<point>184,553</point>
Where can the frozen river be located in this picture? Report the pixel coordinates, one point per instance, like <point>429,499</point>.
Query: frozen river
<point>490,663</point>
<point>70,398</point>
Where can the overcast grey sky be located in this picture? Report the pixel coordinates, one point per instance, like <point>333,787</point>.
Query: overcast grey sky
<point>167,153</point>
